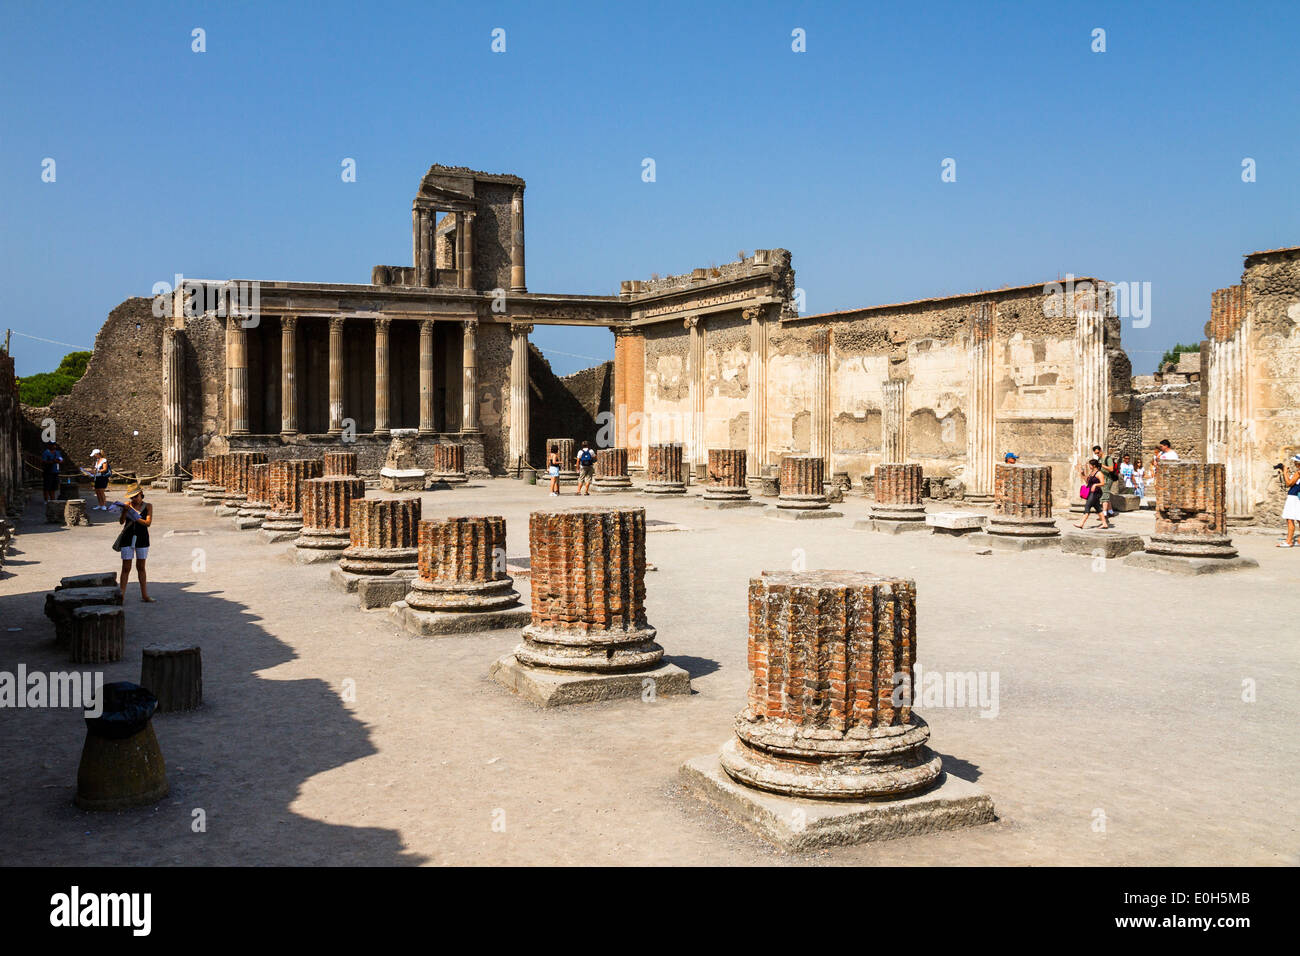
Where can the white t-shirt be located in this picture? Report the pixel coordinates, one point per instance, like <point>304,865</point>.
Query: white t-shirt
<point>1170,455</point>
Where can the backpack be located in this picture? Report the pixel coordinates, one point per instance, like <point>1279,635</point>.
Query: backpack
<point>586,456</point>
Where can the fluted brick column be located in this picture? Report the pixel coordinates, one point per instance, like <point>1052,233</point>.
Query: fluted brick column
<point>611,469</point>
<point>831,656</point>
<point>383,536</point>
<point>288,375</point>
<point>237,374</point>
<point>382,392</point>
<point>449,463</point>
<point>588,592</point>
<point>1022,502</point>
<point>803,481</point>
<point>1091,385</point>
<point>199,473</point>
<point>517,283</point>
<point>893,420</point>
<point>1191,511</point>
<point>215,490</point>
<point>340,463</point>
<point>664,470</point>
<point>519,395</point>
<point>462,564</point>
<point>236,466</point>
<point>567,457</point>
<point>727,472</point>
<point>326,516</point>
<point>426,377</point>
<point>898,493</point>
<point>257,503</point>
<point>1229,430</point>
<point>286,479</point>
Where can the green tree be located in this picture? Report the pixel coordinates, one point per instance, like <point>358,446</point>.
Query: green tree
<point>43,387</point>
<point>1173,353</point>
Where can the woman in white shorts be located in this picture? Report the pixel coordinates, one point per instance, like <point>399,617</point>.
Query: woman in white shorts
<point>135,517</point>
<point>1291,510</point>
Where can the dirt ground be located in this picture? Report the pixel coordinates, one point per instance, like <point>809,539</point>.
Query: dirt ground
<point>1121,735</point>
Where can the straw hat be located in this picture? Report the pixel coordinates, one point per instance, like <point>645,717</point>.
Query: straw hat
<point>134,489</point>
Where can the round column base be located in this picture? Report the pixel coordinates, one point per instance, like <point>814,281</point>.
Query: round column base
<point>449,477</point>
<point>899,512</point>
<point>664,488</point>
<point>462,595</point>
<point>121,774</point>
<point>1025,528</point>
<point>377,561</point>
<point>1193,546</point>
<point>615,482</point>
<point>282,521</point>
<point>802,502</point>
<point>726,493</point>
<point>616,650</point>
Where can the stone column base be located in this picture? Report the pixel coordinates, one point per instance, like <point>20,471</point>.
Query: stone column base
<point>317,546</point>
<point>439,623</point>
<point>725,493</point>
<point>891,526</point>
<point>726,504</point>
<point>280,527</point>
<point>246,522</point>
<point>377,561</point>
<point>1106,544</point>
<point>620,483</point>
<point>551,687</point>
<point>797,824</point>
<point>664,488</point>
<point>1013,542</point>
<point>448,478</point>
<point>802,514</point>
<point>1183,565</point>
<point>381,591</point>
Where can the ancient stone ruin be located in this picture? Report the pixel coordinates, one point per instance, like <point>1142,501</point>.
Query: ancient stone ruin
<point>664,470</point>
<point>727,487</point>
<point>588,638</point>
<point>401,471</point>
<point>381,551</point>
<point>326,514</point>
<point>1022,509</point>
<point>829,719</point>
<point>257,502</point>
<point>898,507</point>
<point>803,489</point>
<point>449,463</point>
<point>1191,535</point>
<point>284,521</point>
<point>236,467</point>
<point>611,470</point>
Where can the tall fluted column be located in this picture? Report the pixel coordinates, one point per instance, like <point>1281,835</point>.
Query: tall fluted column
<point>517,242</point>
<point>426,377</point>
<point>288,375</point>
<point>237,374</point>
<point>1229,427</point>
<point>893,422</point>
<point>381,374</point>
<point>820,431</point>
<point>336,375</point>
<point>695,450</point>
<point>1091,400</point>
<point>174,410</point>
<point>423,243</point>
<point>469,382</point>
<point>757,391</point>
<point>981,438</point>
<point>519,394</point>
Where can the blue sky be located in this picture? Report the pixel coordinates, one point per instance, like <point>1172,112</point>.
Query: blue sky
<point>1124,164</point>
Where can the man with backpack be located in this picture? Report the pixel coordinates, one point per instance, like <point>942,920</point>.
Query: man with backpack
<point>586,462</point>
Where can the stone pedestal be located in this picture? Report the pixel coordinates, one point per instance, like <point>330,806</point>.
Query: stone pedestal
<point>1191,522</point>
<point>1022,509</point>
<point>55,510</point>
<point>340,463</point>
<point>1097,543</point>
<point>401,472</point>
<point>173,673</point>
<point>121,765</point>
<point>611,470</point>
<point>803,491</point>
<point>956,523</point>
<point>588,638</point>
<point>284,521</point>
<point>383,537</point>
<point>98,634</point>
<point>828,737</point>
<point>898,507</point>
<point>74,513</point>
<point>664,475</point>
<point>62,602</point>
<point>728,468</point>
<point>449,463</point>
<point>326,515</point>
<point>257,504</point>
<point>567,455</point>
<point>462,586</point>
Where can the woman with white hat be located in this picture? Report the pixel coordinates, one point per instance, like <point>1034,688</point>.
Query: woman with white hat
<point>133,541</point>
<point>100,471</point>
<point>1291,510</point>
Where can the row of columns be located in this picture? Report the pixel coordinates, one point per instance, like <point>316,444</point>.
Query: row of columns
<point>1228,417</point>
<point>424,228</point>
<point>237,376</point>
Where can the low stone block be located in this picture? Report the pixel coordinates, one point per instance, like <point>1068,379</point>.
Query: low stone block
<point>802,514</point>
<point>226,511</point>
<point>54,511</point>
<point>725,505</point>
<point>1107,544</point>
<point>796,825</point>
<point>248,523</point>
<point>956,522</point>
<point>548,687</point>
<point>96,579</point>
<point>383,591</point>
<point>1125,502</point>
<point>440,623</point>
<point>1010,542</point>
<point>1182,565</point>
<point>884,526</point>
<point>273,537</point>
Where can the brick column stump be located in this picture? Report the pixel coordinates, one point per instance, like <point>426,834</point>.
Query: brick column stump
<point>384,535</point>
<point>199,483</point>
<point>462,586</point>
<point>121,764</point>
<point>215,489</point>
<point>663,470</point>
<point>448,464</point>
<point>568,455</point>
<point>803,491</point>
<point>1022,509</point>
<point>326,516</point>
<point>174,674</point>
<point>727,488</point>
<point>828,750</point>
<point>588,638</point>
<point>340,463</point>
<point>611,471</point>
<point>1191,535</point>
<point>257,503</point>
<point>284,521</point>
<point>237,467</point>
<point>98,634</point>
<point>897,507</point>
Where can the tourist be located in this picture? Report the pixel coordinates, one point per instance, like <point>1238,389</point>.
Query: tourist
<point>1109,477</point>
<point>586,468</point>
<point>1126,471</point>
<point>1010,458</point>
<point>553,469</point>
<point>136,517</point>
<point>51,462</point>
<point>100,471</point>
<point>1291,510</point>
<point>1167,452</point>
<point>1139,477</point>
<point>1093,482</point>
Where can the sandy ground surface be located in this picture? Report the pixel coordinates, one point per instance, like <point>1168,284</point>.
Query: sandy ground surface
<point>1120,699</point>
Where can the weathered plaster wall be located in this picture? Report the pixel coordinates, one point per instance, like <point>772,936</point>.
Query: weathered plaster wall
<point>1272,284</point>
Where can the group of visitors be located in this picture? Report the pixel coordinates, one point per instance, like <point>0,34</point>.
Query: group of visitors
<point>1105,476</point>
<point>585,462</point>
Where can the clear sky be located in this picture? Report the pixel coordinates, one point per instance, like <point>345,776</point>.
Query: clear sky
<point>1125,164</point>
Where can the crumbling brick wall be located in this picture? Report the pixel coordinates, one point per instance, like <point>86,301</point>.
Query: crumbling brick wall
<point>564,407</point>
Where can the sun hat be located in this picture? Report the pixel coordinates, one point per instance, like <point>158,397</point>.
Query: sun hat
<point>1012,455</point>
<point>134,489</point>
<point>95,452</point>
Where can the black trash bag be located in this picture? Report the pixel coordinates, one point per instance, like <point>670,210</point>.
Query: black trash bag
<point>126,708</point>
